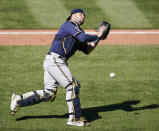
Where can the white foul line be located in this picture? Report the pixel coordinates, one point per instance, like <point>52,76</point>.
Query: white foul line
<point>52,33</point>
<point>130,32</point>
<point>27,33</point>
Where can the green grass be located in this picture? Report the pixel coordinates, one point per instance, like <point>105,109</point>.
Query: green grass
<point>94,14</point>
<point>50,14</point>
<point>149,9</point>
<point>128,102</point>
<point>15,14</point>
<point>124,14</point>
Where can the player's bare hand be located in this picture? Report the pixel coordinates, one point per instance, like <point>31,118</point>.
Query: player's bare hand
<point>100,32</point>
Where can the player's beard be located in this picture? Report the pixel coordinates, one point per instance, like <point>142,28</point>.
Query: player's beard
<point>81,22</point>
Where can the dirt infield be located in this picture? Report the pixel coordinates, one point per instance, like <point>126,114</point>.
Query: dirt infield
<point>45,37</point>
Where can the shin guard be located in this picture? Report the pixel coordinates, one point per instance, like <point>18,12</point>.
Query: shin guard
<point>36,97</point>
<point>73,101</point>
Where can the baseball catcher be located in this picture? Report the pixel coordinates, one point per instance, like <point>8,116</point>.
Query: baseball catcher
<point>69,39</point>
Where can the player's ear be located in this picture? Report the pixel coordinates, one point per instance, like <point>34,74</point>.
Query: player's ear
<point>73,16</point>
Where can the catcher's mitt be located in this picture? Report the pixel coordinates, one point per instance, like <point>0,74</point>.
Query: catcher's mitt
<point>106,31</point>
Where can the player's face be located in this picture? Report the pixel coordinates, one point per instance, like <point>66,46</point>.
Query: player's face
<point>80,18</point>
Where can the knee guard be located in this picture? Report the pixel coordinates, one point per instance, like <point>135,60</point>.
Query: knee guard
<point>73,100</point>
<point>76,83</point>
<point>37,96</point>
<point>50,94</point>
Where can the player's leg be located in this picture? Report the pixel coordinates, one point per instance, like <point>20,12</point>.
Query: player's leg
<point>31,98</point>
<point>73,102</point>
<point>60,71</point>
<point>37,96</point>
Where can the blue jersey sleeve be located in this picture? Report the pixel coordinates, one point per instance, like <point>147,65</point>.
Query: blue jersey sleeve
<point>82,37</point>
<point>73,29</point>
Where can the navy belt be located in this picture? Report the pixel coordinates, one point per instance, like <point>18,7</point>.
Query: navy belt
<point>49,53</point>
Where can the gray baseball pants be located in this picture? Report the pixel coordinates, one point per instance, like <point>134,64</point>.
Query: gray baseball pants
<point>56,72</point>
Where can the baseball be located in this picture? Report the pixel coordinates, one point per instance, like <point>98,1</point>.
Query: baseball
<point>112,75</point>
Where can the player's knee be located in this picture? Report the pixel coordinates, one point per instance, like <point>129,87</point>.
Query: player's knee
<point>72,89</point>
<point>76,83</point>
<point>50,94</point>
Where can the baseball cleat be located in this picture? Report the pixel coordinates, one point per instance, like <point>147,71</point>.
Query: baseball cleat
<point>14,105</point>
<point>78,123</point>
